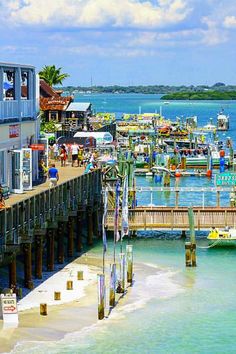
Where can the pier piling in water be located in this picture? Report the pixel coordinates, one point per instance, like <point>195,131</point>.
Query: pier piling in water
<point>38,256</point>
<point>12,272</point>
<point>129,257</point>
<point>79,226</point>
<point>60,243</point>
<point>50,250</point>
<point>27,252</point>
<point>101,296</point>
<point>89,226</point>
<point>188,260</point>
<point>112,295</point>
<point>43,309</point>
<point>71,236</point>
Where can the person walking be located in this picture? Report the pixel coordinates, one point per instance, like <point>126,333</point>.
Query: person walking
<point>63,155</point>
<point>53,175</point>
<point>74,153</point>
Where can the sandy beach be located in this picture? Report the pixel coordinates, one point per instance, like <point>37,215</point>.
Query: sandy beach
<point>79,303</point>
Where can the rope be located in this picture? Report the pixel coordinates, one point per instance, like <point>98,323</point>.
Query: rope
<point>210,246</point>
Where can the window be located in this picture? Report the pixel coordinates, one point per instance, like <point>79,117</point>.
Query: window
<point>9,84</point>
<point>2,167</point>
<point>24,85</point>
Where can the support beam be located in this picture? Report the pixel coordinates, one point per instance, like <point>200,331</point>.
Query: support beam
<point>27,265</point>
<point>60,243</point>
<point>50,250</point>
<point>96,222</point>
<point>79,226</point>
<point>89,226</point>
<point>12,273</point>
<point>71,226</point>
<point>38,256</point>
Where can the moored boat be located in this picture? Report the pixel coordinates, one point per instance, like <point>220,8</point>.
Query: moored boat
<point>222,122</point>
<point>222,236</point>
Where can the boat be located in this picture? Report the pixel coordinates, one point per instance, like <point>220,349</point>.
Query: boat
<point>202,161</point>
<point>222,122</point>
<point>222,236</point>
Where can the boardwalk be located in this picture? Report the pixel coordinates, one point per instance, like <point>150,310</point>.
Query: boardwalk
<point>176,218</point>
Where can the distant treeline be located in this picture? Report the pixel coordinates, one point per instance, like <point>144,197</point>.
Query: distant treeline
<point>206,95</point>
<point>154,89</point>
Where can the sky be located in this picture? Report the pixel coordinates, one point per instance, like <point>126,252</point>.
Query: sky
<point>123,42</point>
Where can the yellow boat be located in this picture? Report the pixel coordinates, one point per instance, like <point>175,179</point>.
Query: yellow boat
<point>226,235</point>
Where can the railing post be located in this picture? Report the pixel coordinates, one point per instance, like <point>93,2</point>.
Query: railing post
<point>218,199</point>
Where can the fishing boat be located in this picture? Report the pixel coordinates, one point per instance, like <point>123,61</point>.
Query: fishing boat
<point>222,122</point>
<point>222,236</point>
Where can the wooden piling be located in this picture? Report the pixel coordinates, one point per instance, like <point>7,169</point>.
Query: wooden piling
<point>101,296</point>
<point>80,275</point>
<point>121,283</point>
<point>43,309</point>
<point>60,243</point>
<point>95,223</point>
<point>79,226</point>
<point>27,265</point>
<point>50,250</point>
<point>89,226</point>
<point>129,257</point>
<point>69,285</point>
<point>71,236</point>
<point>38,256</point>
<point>57,295</point>
<point>193,255</point>
<point>112,295</point>
<point>12,273</point>
<point>188,260</point>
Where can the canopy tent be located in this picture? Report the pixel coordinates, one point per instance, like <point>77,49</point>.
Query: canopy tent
<point>101,137</point>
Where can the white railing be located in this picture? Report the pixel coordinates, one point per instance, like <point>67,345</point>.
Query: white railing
<point>12,109</point>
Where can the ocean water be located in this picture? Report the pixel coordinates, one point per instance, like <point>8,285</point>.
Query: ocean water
<point>169,308</point>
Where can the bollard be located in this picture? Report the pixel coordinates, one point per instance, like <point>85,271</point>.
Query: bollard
<point>101,296</point>
<point>193,255</point>
<point>80,275</point>
<point>112,298</point>
<point>43,309</point>
<point>188,254</point>
<point>69,285</point>
<point>129,257</point>
<point>57,295</point>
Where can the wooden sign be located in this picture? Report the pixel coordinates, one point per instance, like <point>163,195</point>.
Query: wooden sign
<point>37,147</point>
<point>14,131</point>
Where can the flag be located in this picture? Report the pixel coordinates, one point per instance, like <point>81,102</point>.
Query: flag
<point>104,220</point>
<point>116,213</point>
<point>125,209</point>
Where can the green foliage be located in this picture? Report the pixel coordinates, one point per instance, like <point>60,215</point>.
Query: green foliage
<point>52,75</point>
<point>205,95</point>
<point>48,127</point>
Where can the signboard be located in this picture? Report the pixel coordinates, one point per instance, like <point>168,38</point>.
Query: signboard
<point>14,131</point>
<point>226,179</point>
<point>37,147</point>
<point>9,308</point>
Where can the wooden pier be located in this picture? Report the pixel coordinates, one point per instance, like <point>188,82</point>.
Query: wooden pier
<point>176,218</point>
<point>45,225</point>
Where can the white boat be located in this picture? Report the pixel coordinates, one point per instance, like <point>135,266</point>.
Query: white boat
<point>222,122</point>
<point>222,236</point>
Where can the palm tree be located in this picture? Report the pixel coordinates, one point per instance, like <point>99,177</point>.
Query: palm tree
<point>52,75</point>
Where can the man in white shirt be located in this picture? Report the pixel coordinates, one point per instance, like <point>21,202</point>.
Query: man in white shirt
<point>74,153</point>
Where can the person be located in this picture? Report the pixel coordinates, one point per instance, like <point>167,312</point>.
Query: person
<point>74,153</point>
<point>53,175</point>
<point>80,156</point>
<point>2,201</point>
<point>42,171</point>
<point>55,151</point>
<point>63,155</point>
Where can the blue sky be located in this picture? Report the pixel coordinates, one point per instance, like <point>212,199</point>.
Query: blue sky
<point>125,42</point>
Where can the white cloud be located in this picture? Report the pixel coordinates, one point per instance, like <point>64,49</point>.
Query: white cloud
<point>97,13</point>
<point>230,21</point>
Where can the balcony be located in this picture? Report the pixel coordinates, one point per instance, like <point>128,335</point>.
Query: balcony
<point>12,110</point>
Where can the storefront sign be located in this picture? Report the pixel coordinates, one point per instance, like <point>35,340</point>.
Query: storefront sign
<point>14,131</point>
<point>37,147</point>
<point>226,179</point>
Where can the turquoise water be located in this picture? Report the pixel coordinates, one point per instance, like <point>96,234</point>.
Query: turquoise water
<point>170,308</point>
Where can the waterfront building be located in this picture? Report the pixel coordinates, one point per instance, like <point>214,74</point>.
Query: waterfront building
<point>19,125</point>
<point>52,103</point>
<point>77,114</point>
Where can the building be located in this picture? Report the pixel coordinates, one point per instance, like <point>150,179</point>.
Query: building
<point>77,114</point>
<point>52,103</point>
<point>19,126</point>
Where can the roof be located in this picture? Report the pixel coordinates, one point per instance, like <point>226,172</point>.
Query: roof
<point>46,90</point>
<point>56,103</point>
<point>79,106</point>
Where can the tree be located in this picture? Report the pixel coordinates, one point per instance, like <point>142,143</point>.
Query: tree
<point>52,75</point>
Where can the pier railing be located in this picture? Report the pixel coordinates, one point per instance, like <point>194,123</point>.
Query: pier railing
<point>19,222</point>
<point>148,218</point>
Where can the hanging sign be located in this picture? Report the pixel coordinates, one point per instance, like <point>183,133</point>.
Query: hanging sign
<point>14,131</point>
<point>37,147</point>
<point>226,179</point>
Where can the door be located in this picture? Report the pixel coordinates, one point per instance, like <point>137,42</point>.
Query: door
<point>17,171</point>
<point>27,169</point>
